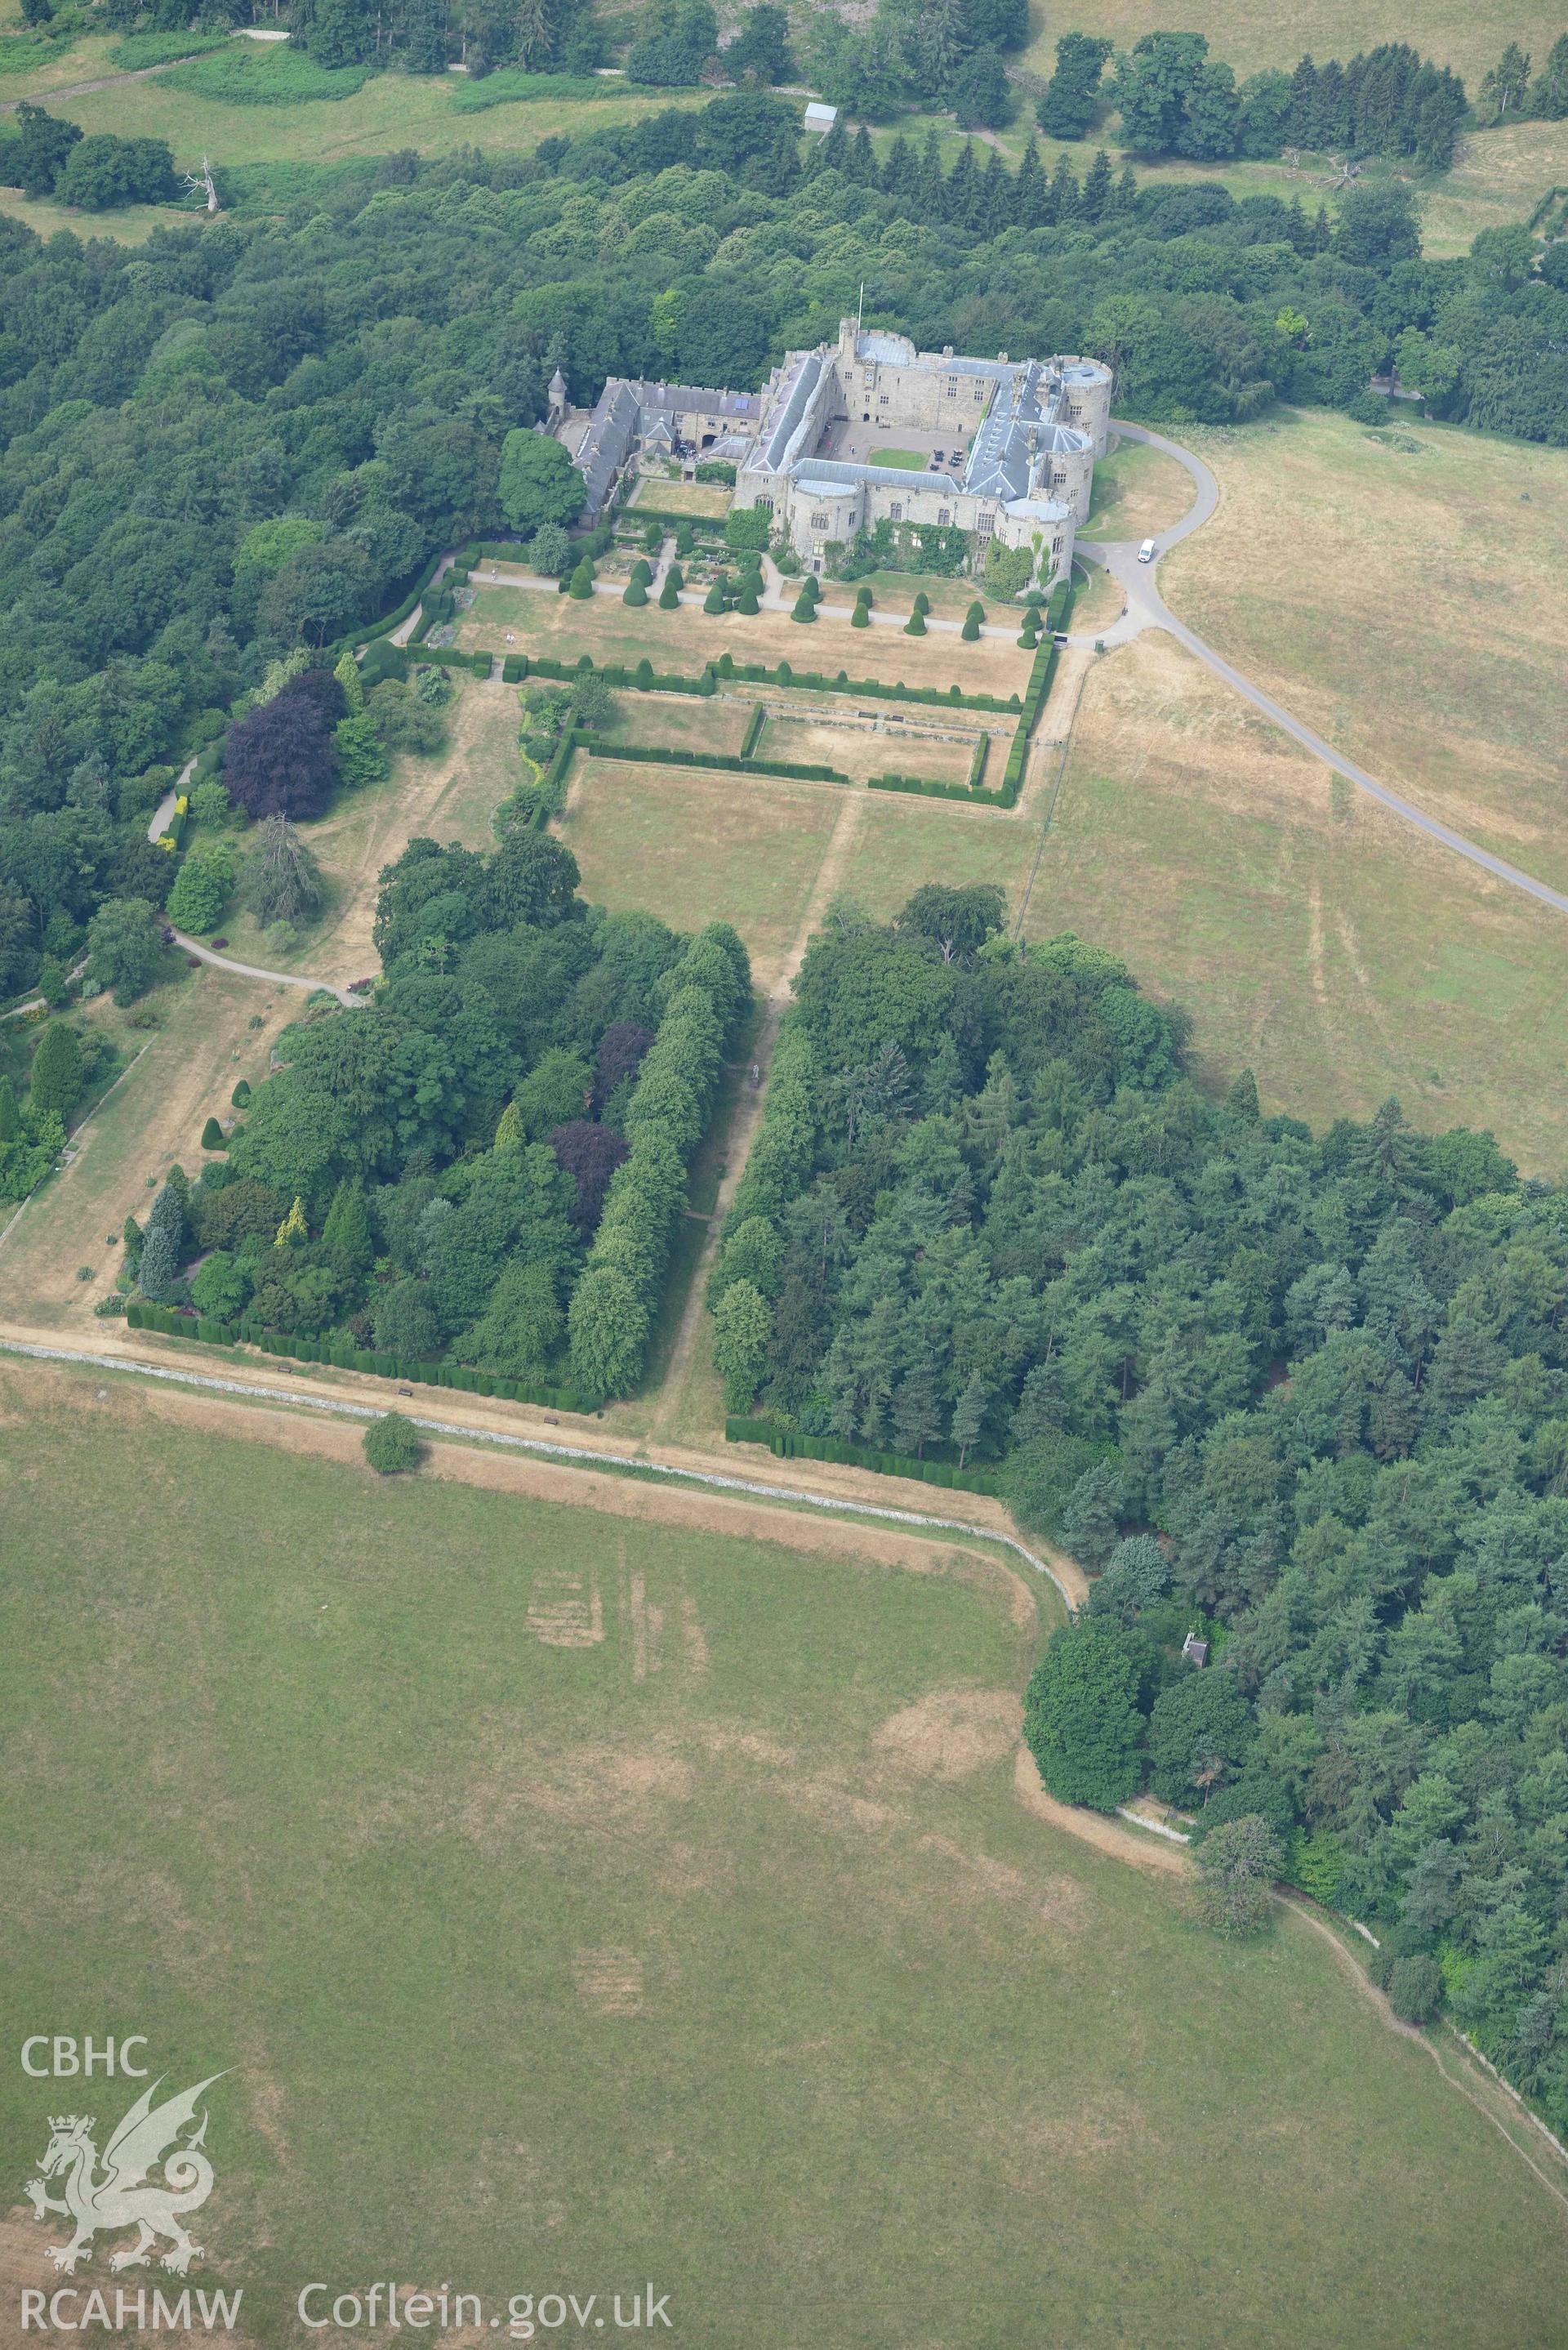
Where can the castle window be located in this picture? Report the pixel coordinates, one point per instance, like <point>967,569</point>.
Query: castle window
<point>881,400</point>
<point>1056,547</point>
<point>944,516</point>
<point>819,521</point>
<point>895,511</point>
<point>766,505</point>
<point>980,391</point>
<point>952,387</point>
<point>985,524</point>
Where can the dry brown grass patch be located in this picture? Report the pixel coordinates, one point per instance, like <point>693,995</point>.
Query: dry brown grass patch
<point>952,1733</point>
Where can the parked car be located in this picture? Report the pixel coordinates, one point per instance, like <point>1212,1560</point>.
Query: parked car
<point>1146,553</point>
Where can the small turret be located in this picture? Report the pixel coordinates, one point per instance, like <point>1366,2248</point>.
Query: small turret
<point>557,391</point>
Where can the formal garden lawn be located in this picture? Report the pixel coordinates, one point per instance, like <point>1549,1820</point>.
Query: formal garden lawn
<point>895,591</point>
<point>1099,600</point>
<point>682,720</point>
<point>580,1900</point>
<point>908,461</point>
<point>859,752</point>
<point>681,497</point>
<point>565,627</point>
<point>903,843</point>
<point>694,846</point>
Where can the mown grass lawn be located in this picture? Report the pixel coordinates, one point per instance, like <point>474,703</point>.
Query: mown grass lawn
<point>694,846</point>
<point>579,1900</point>
<point>564,626</point>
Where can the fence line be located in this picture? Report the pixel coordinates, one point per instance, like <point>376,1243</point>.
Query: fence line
<point>571,1454</point>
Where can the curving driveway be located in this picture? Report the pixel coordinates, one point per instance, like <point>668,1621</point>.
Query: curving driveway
<point>1147,608</point>
<point>273,978</point>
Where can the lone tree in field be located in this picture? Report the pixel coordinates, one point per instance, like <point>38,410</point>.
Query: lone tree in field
<point>163,1244</point>
<point>392,1445</point>
<point>538,484</point>
<point>56,1080</point>
<point>281,759</point>
<point>1237,1865</point>
<point>123,947</point>
<point>282,880</point>
<point>1081,1716</point>
<point>201,889</point>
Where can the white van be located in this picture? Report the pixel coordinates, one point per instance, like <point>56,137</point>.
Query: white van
<point>1147,551</point>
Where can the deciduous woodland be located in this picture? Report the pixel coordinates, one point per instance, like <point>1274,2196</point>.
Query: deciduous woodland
<point>1303,1395</point>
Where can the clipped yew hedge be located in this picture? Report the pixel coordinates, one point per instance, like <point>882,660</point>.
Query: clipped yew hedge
<point>344,1356</point>
<point>656,754</point>
<point>933,788</point>
<point>645,678</point>
<point>789,1444</point>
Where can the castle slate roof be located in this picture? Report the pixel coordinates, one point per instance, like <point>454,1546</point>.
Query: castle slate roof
<point>617,419</point>
<point>796,395</point>
<point>612,428</point>
<point>690,396</point>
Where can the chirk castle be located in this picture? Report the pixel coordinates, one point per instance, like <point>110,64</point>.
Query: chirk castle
<point>866,431</point>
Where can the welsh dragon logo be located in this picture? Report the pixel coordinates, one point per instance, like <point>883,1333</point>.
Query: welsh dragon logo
<point>119,2195</point>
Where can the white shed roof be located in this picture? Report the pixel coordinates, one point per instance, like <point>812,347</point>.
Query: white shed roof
<point>819,116</point>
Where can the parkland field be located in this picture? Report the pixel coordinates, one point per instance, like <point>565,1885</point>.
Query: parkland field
<point>576,1895</point>
<point>275,148</point>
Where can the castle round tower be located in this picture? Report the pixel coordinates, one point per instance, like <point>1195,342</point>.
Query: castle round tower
<point>1088,405</point>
